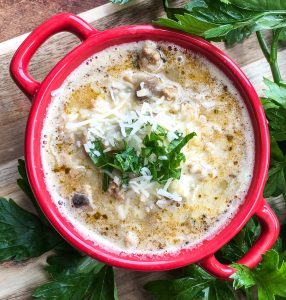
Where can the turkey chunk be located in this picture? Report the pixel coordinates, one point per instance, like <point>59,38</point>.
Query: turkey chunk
<point>170,92</point>
<point>150,59</point>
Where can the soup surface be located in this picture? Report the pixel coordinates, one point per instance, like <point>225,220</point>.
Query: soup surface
<point>147,147</point>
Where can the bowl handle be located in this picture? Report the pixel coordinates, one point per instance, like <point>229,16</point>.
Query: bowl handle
<point>268,236</point>
<point>20,61</point>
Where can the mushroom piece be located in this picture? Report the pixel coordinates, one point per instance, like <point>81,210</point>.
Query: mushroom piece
<point>150,59</point>
<point>115,191</point>
<point>79,200</point>
<point>155,86</point>
<point>148,88</point>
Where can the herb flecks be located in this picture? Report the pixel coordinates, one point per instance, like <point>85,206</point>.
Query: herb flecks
<point>159,156</point>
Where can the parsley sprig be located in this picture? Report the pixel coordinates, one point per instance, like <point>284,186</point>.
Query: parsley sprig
<point>75,276</point>
<point>129,163</point>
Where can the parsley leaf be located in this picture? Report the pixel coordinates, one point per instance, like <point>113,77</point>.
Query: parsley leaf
<point>197,284</point>
<point>282,36</point>
<point>276,181</point>
<point>22,234</point>
<point>265,5</point>
<point>276,92</point>
<point>215,20</point>
<point>269,276</point>
<point>24,185</point>
<point>277,122</point>
<point>241,243</point>
<point>77,277</point>
<point>275,110</point>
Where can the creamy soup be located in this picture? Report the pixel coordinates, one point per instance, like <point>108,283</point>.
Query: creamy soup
<point>147,148</point>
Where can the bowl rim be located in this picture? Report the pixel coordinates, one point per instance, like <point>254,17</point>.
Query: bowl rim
<point>35,173</point>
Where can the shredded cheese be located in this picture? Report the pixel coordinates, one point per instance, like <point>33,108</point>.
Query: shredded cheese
<point>171,196</point>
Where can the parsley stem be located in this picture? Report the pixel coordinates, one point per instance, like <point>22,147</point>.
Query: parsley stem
<point>263,45</point>
<point>165,4</point>
<point>249,294</point>
<point>271,55</point>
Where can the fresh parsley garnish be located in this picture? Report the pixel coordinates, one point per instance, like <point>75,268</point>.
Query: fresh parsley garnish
<point>269,276</point>
<point>162,157</point>
<point>24,185</point>
<point>275,109</point>
<point>194,283</point>
<point>22,234</point>
<point>230,21</point>
<point>74,276</point>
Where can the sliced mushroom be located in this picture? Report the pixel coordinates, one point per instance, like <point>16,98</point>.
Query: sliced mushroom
<point>79,200</point>
<point>148,88</point>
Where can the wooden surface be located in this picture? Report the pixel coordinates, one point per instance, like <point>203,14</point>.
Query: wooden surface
<point>17,281</point>
<point>18,17</point>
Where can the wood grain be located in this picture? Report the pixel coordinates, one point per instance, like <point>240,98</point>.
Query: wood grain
<point>34,12</point>
<point>17,281</point>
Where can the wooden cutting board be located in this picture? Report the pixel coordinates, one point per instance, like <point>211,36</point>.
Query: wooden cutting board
<point>18,280</point>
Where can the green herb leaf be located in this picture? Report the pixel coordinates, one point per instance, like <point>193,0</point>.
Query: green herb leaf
<point>183,288</point>
<point>24,185</point>
<point>277,123</point>
<point>243,277</point>
<point>181,143</point>
<point>128,162</point>
<point>241,243</point>
<point>265,5</point>
<point>104,287</point>
<point>269,276</point>
<point>197,284</point>
<point>23,182</point>
<point>22,234</point>
<point>275,110</point>
<point>268,103</point>
<point>276,92</point>
<point>215,20</point>
<point>186,23</point>
<point>283,239</point>
<point>276,182</point>
<point>77,277</point>
<point>282,35</point>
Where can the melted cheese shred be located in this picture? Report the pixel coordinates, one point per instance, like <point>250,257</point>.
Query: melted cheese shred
<point>183,92</point>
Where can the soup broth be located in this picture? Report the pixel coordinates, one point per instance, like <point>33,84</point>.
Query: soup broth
<point>111,107</point>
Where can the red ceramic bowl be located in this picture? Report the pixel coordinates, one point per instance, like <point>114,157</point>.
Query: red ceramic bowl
<point>92,42</point>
